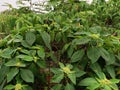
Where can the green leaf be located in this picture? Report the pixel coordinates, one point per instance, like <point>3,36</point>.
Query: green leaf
<point>13,72</point>
<point>70,51</point>
<point>105,54</point>
<point>11,63</point>
<point>41,63</point>
<point>101,75</point>
<point>93,86</point>
<point>88,82</point>
<point>25,57</point>
<point>9,87</point>
<point>81,41</point>
<point>111,71</point>
<point>69,87</point>
<point>18,38</point>
<point>41,53</point>
<point>30,38</point>
<point>6,53</point>
<point>57,87</point>
<point>24,51</point>
<point>46,39</point>
<point>65,47</point>
<point>27,75</point>
<point>61,65</point>
<point>3,72</point>
<point>57,78</point>
<point>115,80</point>
<point>93,54</point>
<point>108,57</point>
<point>96,67</point>
<point>26,87</point>
<point>106,87</point>
<point>56,70</point>
<point>114,87</point>
<point>15,63</point>
<point>77,56</point>
<point>32,52</point>
<point>58,36</point>
<point>79,72</point>
<point>25,44</point>
<point>72,77</point>
<point>112,59</point>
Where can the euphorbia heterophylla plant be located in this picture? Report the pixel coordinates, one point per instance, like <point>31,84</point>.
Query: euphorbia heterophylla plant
<point>100,82</point>
<point>65,74</point>
<point>76,46</point>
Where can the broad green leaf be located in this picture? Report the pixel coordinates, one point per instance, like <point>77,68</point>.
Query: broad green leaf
<point>15,63</point>
<point>24,51</point>
<point>105,54</point>
<point>41,53</point>
<point>52,34</point>
<point>79,72</point>
<point>70,51</point>
<point>96,67</point>
<point>115,81</point>
<point>72,77</point>
<point>65,47</point>
<point>111,71</point>
<point>57,78</point>
<point>2,84</point>
<point>32,52</point>
<point>41,63</point>
<point>3,72</point>
<point>112,59</point>
<point>6,53</point>
<point>26,87</point>
<point>106,87</point>
<point>56,70</point>
<point>95,29</point>
<point>25,57</point>
<point>46,39</point>
<point>81,41</point>
<point>9,87</point>
<point>101,75</point>
<point>93,86</point>
<point>18,38</point>
<point>12,73</point>
<point>25,44</point>
<point>58,36</point>
<point>88,82</point>
<point>57,87</point>
<point>69,87</point>
<point>114,86</point>
<point>27,75</point>
<point>82,33</point>
<point>30,38</point>
<point>61,65</point>
<point>93,54</point>
<point>77,55</point>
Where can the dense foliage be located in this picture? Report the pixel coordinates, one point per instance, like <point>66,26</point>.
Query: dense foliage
<point>73,47</point>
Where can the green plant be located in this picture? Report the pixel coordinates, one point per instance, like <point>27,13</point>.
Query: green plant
<point>63,49</point>
<point>99,80</point>
<point>65,76</point>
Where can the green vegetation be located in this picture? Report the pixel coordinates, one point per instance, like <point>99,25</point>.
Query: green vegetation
<point>73,47</point>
